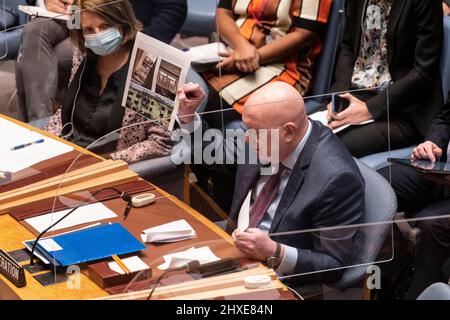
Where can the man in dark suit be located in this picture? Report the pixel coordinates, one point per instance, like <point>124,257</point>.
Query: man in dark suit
<point>419,197</point>
<point>314,183</point>
<point>394,44</point>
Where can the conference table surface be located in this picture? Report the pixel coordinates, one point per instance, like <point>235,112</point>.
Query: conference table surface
<point>14,233</point>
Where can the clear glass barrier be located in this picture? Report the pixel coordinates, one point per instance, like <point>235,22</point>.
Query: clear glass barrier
<point>192,178</point>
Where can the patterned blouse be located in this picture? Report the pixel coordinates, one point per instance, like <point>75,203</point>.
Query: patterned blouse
<point>371,67</point>
<point>137,142</point>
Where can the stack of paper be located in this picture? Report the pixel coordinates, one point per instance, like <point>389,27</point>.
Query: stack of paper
<point>134,264</point>
<point>180,259</point>
<point>169,232</point>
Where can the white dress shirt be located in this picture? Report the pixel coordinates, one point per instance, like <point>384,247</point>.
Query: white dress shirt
<point>289,261</point>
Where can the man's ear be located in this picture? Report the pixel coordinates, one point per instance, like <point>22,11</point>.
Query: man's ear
<point>290,130</point>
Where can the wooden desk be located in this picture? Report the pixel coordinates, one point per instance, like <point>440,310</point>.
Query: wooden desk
<point>13,234</point>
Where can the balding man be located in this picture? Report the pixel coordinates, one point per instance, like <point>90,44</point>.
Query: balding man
<point>315,183</point>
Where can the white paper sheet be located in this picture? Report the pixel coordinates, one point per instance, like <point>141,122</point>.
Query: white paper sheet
<point>208,53</point>
<point>134,263</point>
<point>157,70</point>
<point>169,232</point>
<point>28,245</point>
<point>179,259</point>
<point>321,116</point>
<point>89,213</point>
<point>16,160</point>
<point>244,213</point>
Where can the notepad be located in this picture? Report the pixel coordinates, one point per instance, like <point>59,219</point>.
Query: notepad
<point>170,232</point>
<point>90,244</point>
<point>134,263</point>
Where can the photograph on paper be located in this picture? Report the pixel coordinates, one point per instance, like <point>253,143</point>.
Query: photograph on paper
<point>156,71</point>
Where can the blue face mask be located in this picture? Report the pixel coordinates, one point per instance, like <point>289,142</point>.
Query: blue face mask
<point>105,42</point>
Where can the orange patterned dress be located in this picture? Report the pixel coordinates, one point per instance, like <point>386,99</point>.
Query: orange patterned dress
<point>264,21</point>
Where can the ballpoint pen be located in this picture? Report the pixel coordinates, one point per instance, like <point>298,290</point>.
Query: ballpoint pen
<point>21,146</point>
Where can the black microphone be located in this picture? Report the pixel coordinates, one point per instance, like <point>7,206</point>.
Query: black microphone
<point>124,195</point>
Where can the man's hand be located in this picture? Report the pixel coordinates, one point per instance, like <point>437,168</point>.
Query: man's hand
<point>58,6</point>
<point>355,113</point>
<point>244,57</point>
<point>426,151</point>
<point>254,243</point>
<point>191,96</point>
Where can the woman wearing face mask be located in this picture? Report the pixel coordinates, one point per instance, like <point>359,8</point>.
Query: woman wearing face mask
<point>92,106</point>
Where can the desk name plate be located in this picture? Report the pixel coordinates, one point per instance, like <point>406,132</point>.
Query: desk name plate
<point>12,270</point>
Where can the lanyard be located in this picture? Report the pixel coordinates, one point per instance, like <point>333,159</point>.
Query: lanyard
<point>259,15</point>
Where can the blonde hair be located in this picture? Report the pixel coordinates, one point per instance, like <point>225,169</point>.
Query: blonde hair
<point>117,13</point>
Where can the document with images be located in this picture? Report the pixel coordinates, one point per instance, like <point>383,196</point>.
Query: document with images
<point>156,72</point>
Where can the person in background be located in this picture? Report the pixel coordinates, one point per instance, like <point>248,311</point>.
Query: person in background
<point>43,68</point>
<point>420,197</point>
<point>394,44</point>
<point>44,63</point>
<point>92,105</point>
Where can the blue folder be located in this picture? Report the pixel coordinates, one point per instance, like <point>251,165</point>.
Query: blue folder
<point>92,244</point>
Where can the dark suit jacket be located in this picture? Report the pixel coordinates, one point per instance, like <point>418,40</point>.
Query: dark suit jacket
<point>325,189</point>
<point>414,43</point>
<point>162,19</point>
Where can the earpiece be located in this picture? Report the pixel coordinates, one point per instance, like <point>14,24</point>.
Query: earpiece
<point>142,200</point>
<point>67,136</point>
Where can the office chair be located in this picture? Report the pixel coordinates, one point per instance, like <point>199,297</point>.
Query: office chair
<point>379,160</point>
<point>437,291</point>
<point>380,205</point>
<point>200,19</point>
<point>324,65</point>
